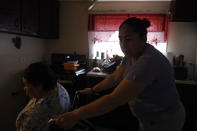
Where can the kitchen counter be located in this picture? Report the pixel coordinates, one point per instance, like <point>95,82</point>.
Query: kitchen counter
<point>103,75</point>
<point>97,74</point>
<point>188,82</point>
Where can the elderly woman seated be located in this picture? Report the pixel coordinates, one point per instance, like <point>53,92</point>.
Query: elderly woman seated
<point>48,98</point>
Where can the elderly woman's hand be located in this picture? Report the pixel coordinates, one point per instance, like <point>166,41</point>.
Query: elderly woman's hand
<point>67,120</point>
<point>87,91</point>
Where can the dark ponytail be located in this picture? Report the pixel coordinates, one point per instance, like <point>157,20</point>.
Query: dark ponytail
<point>138,25</point>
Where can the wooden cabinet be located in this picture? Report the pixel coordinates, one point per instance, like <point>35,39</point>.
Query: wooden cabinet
<point>30,17</point>
<point>49,19</point>
<point>183,11</point>
<point>38,18</point>
<point>10,15</point>
<point>188,97</point>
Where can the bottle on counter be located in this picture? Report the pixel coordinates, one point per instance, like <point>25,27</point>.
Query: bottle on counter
<point>95,62</point>
<point>102,55</point>
<point>107,55</point>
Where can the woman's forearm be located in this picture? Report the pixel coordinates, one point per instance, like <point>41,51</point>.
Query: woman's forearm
<point>110,81</point>
<point>126,91</point>
<point>100,106</point>
<point>107,83</point>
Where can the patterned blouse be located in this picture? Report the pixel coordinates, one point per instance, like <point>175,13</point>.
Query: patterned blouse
<point>36,114</point>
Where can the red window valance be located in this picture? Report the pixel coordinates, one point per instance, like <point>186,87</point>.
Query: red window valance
<point>106,22</point>
<point>111,22</point>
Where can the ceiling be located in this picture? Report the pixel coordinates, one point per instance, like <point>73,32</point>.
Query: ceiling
<point>134,6</point>
<point>78,0</point>
<point>127,6</point>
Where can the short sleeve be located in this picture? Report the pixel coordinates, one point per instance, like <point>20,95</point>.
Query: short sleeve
<point>145,70</point>
<point>124,61</point>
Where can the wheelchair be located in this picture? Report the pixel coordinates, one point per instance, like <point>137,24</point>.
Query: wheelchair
<point>82,125</point>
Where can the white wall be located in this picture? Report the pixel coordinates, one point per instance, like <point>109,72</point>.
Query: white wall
<point>13,62</point>
<point>182,39</point>
<point>73,38</point>
<point>73,29</point>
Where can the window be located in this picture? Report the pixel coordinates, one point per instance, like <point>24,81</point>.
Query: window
<point>103,33</point>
